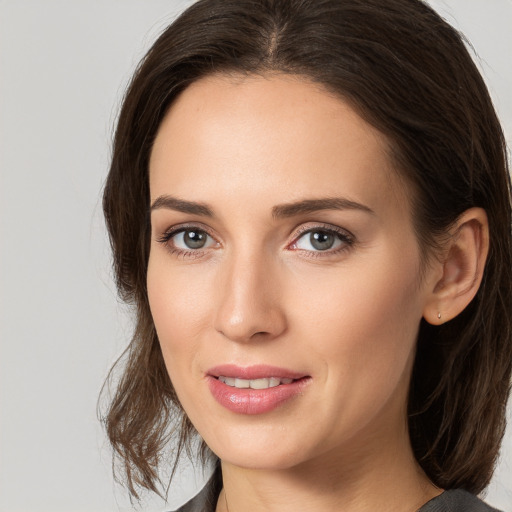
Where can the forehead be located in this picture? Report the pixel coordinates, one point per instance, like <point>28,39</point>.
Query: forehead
<point>277,137</point>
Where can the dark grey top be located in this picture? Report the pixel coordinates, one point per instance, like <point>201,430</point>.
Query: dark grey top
<point>456,500</point>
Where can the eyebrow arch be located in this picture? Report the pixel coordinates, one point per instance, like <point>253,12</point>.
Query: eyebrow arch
<point>314,205</point>
<point>180,205</point>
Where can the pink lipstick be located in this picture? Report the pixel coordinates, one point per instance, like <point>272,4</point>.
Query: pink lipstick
<point>254,389</point>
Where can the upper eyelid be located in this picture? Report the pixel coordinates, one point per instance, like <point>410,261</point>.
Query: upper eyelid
<point>322,227</point>
<point>178,228</point>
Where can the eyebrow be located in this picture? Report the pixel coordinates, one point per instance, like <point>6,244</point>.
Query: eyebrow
<point>278,211</point>
<point>315,205</point>
<point>180,205</point>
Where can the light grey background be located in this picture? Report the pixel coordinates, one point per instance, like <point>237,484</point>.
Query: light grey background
<point>63,68</point>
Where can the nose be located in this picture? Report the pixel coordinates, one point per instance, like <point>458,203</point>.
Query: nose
<point>250,305</point>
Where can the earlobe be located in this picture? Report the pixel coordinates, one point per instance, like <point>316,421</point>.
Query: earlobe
<point>462,267</point>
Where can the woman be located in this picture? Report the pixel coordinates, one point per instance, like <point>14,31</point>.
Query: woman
<point>309,206</point>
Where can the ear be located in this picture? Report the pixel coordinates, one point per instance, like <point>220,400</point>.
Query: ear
<point>461,268</point>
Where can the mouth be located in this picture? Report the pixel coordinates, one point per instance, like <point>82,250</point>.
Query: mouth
<point>255,389</point>
<point>264,383</point>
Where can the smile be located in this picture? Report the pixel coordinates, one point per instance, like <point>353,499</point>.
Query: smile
<point>255,389</point>
<point>264,383</point>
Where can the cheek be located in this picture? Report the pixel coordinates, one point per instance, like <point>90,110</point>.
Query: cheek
<point>178,303</point>
<point>364,338</point>
<point>363,321</point>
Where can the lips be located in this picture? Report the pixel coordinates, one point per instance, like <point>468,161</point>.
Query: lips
<point>255,389</point>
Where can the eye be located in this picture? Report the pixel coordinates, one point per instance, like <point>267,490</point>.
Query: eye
<point>191,239</point>
<point>322,240</point>
<point>188,239</point>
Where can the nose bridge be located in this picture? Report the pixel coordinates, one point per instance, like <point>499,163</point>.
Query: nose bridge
<point>249,296</point>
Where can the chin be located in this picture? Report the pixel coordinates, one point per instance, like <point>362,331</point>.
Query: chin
<point>260,452</point>
<point>261,459</point>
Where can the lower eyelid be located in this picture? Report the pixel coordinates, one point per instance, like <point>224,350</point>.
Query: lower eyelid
<point>184,253</point>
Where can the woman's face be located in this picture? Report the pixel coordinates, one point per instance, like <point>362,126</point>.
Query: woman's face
<point>284,272</point>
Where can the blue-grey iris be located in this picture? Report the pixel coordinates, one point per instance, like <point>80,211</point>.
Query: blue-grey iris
<point>321,240</point>
<point>194,239</point>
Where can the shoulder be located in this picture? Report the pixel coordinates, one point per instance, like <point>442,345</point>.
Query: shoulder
<point>456,500</point>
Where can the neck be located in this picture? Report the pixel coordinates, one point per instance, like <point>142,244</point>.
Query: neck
<point>358,479</point>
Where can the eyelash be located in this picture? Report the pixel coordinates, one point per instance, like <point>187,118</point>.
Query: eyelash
<point>166,237</point>
<point>344,236</point>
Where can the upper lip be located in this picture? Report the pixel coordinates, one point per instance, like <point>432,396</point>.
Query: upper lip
<point>260,371</point>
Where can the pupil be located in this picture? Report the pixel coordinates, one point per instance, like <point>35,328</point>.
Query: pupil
<point>194,239</point>
<point>321,240</point>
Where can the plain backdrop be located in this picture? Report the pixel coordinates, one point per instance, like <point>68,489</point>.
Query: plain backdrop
<point>63,68</point>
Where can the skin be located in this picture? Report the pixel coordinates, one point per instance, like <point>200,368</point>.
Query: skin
<point>258,292</point>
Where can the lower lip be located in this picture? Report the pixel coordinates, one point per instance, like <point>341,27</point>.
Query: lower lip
<point>255,401</point>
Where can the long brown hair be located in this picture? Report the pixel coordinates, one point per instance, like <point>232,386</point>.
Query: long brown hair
<point>408,73</point>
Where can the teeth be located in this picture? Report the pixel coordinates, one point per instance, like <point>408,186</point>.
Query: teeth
<point>242,383</point>
<point>228,380</point>
<point>263,383</point>
<point>271,382</point>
